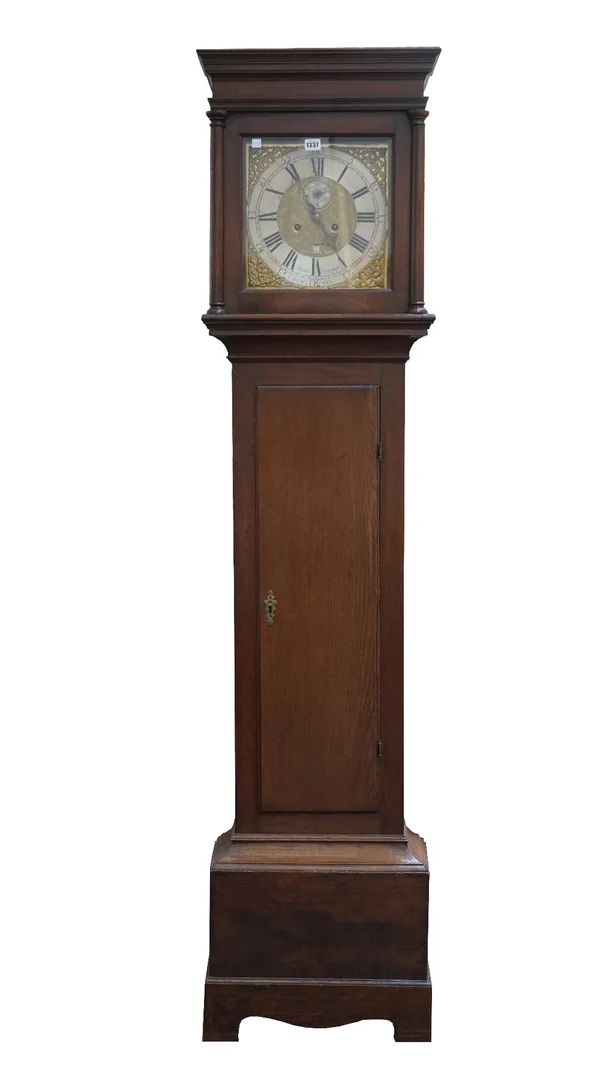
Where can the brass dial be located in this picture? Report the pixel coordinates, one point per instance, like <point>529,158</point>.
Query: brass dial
<point>317,219</point>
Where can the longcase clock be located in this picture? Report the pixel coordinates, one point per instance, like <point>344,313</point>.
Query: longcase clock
<point>319,892</point>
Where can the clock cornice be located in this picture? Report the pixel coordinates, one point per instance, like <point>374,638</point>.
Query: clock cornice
<point>417,62</point>
<point>318,79</point>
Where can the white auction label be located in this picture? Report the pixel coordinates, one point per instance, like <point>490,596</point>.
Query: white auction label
<point>257,142</point>
<point>312,144</point>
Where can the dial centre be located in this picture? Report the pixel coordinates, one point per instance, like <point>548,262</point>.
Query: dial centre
<point>316,213</point>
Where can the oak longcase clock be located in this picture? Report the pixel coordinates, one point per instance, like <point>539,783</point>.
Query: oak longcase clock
<point>319,892</point>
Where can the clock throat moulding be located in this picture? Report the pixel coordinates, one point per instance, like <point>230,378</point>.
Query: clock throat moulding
<point>319,893</point>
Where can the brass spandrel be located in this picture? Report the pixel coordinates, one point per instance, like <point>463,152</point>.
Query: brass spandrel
<point>258,159</point>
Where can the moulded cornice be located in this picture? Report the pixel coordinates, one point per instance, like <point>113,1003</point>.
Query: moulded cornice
<point>224,325</point>
<point>362,103</point>
<point>349,79</point>
<point>419,62</point>
<point>287,338</point>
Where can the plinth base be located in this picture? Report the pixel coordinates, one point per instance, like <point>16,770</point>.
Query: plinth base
<point>317,1004</point>
<point>319,933</point>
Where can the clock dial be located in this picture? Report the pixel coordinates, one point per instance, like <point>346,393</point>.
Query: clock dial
<point>317,219</point>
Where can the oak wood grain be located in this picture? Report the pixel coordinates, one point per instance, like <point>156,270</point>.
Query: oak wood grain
<point>318,494</point>
<point>248,380</point>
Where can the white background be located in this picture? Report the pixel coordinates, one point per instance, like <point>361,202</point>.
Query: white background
<point>116,586</point>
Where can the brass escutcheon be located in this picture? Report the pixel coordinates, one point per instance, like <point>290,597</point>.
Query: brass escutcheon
<point>270,608</point>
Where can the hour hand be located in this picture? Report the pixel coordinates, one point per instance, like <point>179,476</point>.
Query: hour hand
<point>330,238</point>
<point>316,218</point>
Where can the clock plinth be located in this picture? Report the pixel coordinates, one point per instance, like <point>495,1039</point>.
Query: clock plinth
<point>319,893</point>
<point>330,931</point>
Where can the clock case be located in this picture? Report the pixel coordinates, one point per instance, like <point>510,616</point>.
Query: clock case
<point>318,917</point>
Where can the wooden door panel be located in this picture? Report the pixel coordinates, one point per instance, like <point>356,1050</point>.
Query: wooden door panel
<point>318,532</point>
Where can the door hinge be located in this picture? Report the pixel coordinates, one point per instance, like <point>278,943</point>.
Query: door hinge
<point>379,749</point>
<point>380,450</point>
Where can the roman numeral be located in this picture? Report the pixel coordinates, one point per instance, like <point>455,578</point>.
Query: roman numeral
<point>317,164</point>
<point>358,242</point>
<point>360,192</point>
<point>362,216</point>
<point>343,172</point>
<point>316,268</point>
<point>276,191</point>
<point>293,173</point>
<point>273,240</point>
<point>341,260</point>
<point>269,216</point>
<point>290,259</point>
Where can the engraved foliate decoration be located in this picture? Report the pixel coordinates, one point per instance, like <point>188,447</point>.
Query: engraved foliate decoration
<point>259,159</point>
<point>259,276</point>
<point>317,219</point>
<point>376,160</point>
<point>373,276</point>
